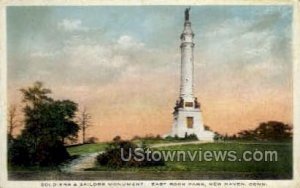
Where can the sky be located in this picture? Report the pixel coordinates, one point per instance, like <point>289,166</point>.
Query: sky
<point>123,62</point>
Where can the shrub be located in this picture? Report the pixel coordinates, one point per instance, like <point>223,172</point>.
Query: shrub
<point>191,137</point>
<point>116,138</point>
<point>18,152</point>
<point>91,140</point>
<point>112,156</point>
<point>136,138</point>
<point>169,138</point>
<point>186,137</point>
<point>51,153</point>
<point>22,151</point>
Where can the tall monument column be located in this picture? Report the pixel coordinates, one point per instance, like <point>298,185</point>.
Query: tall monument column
<point>187,60</point>
<point>187,114</point>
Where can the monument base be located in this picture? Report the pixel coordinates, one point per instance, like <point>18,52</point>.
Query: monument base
<point>188,121</point>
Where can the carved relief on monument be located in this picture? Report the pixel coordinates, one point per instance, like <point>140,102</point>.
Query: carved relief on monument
<point>189,104</point>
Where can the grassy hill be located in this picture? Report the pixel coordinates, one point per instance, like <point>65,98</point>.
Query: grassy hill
<point>282,168</point>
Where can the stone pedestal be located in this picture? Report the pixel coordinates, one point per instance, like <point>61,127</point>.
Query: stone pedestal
<point>188,120</point>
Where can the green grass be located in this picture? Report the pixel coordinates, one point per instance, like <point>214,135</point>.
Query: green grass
<point>97,147</point>
<point>284,163</point>
<point>86,148</point>
<point>281,167</point>
<point>158,141</point>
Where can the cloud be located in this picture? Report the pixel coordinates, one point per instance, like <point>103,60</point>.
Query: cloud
<point>43,54</point>
<point>126,41</point>
<point>96,62</point>
<point>71,25</point>
<point>85,52</point>
<point>238,41</point>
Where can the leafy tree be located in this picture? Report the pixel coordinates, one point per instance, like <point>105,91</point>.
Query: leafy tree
<point>273,130</point>
<point>48,123</point>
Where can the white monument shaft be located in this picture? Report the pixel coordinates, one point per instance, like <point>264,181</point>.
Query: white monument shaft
<point>187,114</point>
<point>187,63</point>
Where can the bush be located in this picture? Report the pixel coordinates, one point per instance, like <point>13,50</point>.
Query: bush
<point>18,152</point>
<point>23,152</point>
<point>147,137</point>
<point>136,138</point>
<point>191,137</point>
<point>112,157</point>
<point>169,138</point>
<point>186,137</point>
<point>91,140</point>
<point>51,153</point>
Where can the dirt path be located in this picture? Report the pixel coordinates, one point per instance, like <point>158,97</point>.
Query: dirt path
<point>81,163</point>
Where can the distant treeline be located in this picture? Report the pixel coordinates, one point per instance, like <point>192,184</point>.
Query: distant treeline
<point>265,131</point>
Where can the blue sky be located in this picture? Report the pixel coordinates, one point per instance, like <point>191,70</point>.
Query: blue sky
<point>242,52</point>
<point>141,22</point>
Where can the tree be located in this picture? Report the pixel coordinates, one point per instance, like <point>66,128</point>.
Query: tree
<point>247,134</point>
<point>13,121</point>
<point>84,122</point>
<point>273,130</point>
<point>36,94</point>
<point>63,117</point>
<point>47,123</point>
